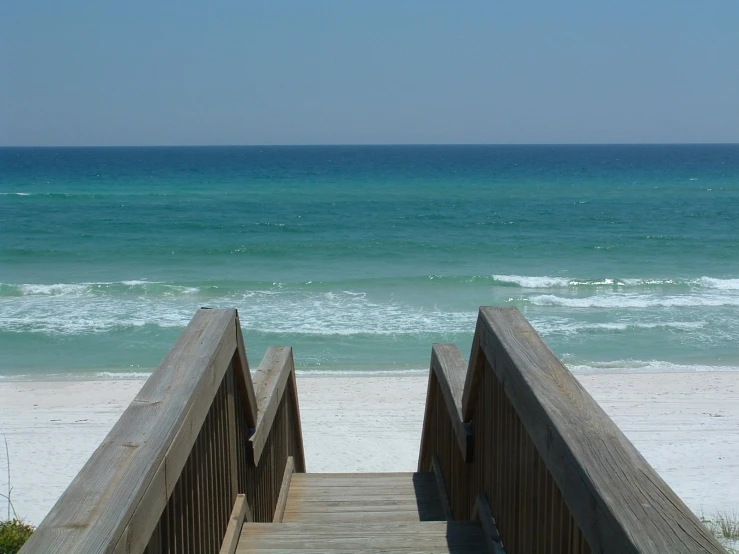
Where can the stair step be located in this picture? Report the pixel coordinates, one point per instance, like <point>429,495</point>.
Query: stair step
<point>333,497</point>
<point>422,537</point>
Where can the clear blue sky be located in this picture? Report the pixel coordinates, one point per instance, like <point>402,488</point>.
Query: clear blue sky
<point>141,72</point>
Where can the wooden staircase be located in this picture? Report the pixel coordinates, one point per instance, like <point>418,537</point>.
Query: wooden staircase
<point>363,512</point>
<point>515,457</point>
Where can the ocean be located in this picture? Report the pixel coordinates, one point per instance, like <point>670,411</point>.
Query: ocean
<point>624,258</point>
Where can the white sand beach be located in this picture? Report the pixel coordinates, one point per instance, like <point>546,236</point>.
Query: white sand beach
<point>685,424</point>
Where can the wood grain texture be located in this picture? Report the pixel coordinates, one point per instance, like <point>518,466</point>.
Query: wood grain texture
<point>270,381</point>
<point>450,371</point>
<point>243,377</point>
<point>474,372</point>
<point>481,512</point>
<point>428,442</point>
<point>379,496</point>
<point>619,503</point>
<point>559,475</point>
<point>364,536</point>
<point>298,451</point>
<point>233,531</point>
<point>114,503</point>
<point>284,489</point>
<point>441,486</point>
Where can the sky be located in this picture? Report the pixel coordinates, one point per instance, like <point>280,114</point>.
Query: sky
<point>84,73</point>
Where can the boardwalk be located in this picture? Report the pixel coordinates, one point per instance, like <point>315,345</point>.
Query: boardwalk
<point>354,512</point>
<point>515,457</point>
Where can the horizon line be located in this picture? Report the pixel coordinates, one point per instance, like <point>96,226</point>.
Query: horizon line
<point>378,144</point>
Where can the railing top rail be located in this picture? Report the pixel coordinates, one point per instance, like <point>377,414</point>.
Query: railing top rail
<point>275,377</point>
<point>448,369</point>
<point>108,507</point>
<point>619,501</point>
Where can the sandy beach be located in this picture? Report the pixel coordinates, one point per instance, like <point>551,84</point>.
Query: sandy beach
<point>685,424</point>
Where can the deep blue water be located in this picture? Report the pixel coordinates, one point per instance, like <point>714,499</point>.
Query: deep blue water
<point>622,257</point>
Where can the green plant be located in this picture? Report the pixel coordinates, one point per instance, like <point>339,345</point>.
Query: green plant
<point>13,534</point>
<point>727,525</point>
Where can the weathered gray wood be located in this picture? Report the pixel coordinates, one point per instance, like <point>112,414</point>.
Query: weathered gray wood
<point>270,381</point>
<point>297,427</point>
<point>347,494</point>
<point>450,371</point>
<point>441,486</point>
<point>233,530</point>
<point>243,378</point>
<point>474,368</point>
<point>346,497</point>
<point>284,489</point>
<point>363,536</point>
<point>394,481</point>
<point>424,455</point>
<point>114,503</point>
<point>370,504</point>
<point>481,512</point>
<point>333,517</point>
<point>231,425</point>
<point>365,528</point>
<point>617,499</point>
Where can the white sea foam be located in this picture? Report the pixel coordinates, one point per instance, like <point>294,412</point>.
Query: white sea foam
<point>97,288</point>
<point>294,312</point>
<point>546,282</point>
<point>562,282</point>
<point>649,366</point>
<point>721,284</point>
<point>552,326</point>
<point>533,282</point>
<point>633,300</point>
<point>346,313</point>
<point>53,290</point>
<point>79,308</point>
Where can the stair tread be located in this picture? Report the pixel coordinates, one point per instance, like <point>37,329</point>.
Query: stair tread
<point>363,536</point>
<point>335,497</point>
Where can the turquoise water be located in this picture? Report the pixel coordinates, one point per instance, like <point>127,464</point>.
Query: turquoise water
<point>622,257</point>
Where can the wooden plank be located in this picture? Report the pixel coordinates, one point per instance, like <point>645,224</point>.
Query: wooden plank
<point>338,494</point>
<point>474,370</point>
<point>424,455</point>
<point>441,487</point>
<point>481,512</point>
<point>243,377</point>
<point>233,530</point>
<point>270,381</point>
<point>363,528</point>
<point>123,488</point>
<point>322,549</point>
<point>231,422</point>
<point>378,543</point>
<point>355,546</point>
<point>297,427</point>
<point>619,502</point>
<point>361,479</point>
<point>364,536</point>
<point>338,517</point>
<point>284,489</point>
<point>353,504</point>
<point>450,370</point>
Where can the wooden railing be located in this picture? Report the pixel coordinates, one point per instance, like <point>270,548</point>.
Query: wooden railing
<point>200,439</point>
<point>516,430</point>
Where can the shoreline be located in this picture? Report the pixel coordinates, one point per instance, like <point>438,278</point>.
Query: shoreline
<point>685,424</point>
<point>576,370</point>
